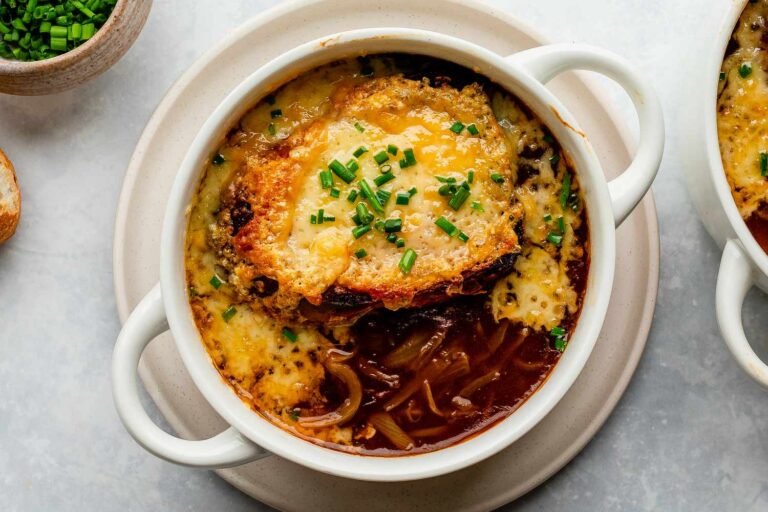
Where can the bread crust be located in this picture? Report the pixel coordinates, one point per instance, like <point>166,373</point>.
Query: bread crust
<point>9,216</point>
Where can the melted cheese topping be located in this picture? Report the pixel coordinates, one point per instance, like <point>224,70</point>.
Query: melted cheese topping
<point>742,118</point>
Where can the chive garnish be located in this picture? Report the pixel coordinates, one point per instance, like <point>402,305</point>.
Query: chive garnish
<point>463,236</point>
<point>326,179</point>
<point>443,179</point>
<point>272,129</point>
<point>229,313</point>
<point>497,178</point>
<point>403,198</point>
<point>561,225</point>
<point>216,282</point>
<point>367,191</point>
<point>313,219</point>
<point>548,139</point>
<point>320,216</point>
<point>276,113</point>
<point>392,238</point>
<point>359,231</point>
<point>392,149</point>
<point>363,214</point>
<point>359,127</point>
<point>472,129</point>
<point>554,238</point>
<point>361,253</point>
<point>447,226</point>
<point>471,176</point>
<point>360,151</point>
<point>447,189</point>
<point>341,171</point>
<point>393,225</point>
<point>379,225</point>
<point>335,193</point>
<point>458,198</point>
<point>384,169</point>
<point>412,192</point>
<point>477,206</point>
<point>352,196</point>
<point>763,164</point>
<point>554,159</point>
<point>218,159</point>
<point>457,127</point>
<point>409,160</point>
<point>566,190</point>
<point>745,70</point>
<point>560,336</point>
<point>400,243</point>
<point>383,196</point>
<point>352,165</point>
<point>290,335</point>
<point>547,218</point>
<point>383,178</point>
<point>407,261</point>
<point>722,76</point>
<point>381,157</point>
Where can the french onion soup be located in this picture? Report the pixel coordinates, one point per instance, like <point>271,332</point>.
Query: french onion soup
<point>742,117</point>
<point>387,255</point>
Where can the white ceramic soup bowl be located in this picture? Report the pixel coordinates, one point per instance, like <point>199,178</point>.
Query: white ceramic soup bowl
<point>744,264</point>
<point>251,436</point>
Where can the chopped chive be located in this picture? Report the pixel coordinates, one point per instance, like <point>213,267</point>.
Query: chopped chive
<point>326,179</point>
<point>557,331</point>
<point>218,159</point>
<point>566,190</point>
<point>313,219</point>
<point>329,218</point>
<point>392,149</point>
<point>548,139</point>
<point>341,171</point>
<point>561,225</point>
<point>383,178</point>
<point>497,178</point>
<point>561,343</point>
<point>722,76</point>
<point>361,253</point>
<point>392,238</point>
<point>359,231</point>
<point>763,164</point>
<point>367,192</point>
<point>216,282</point>
<point>272,129</point>
<point>457,127</point>
<point>353,166</point>
<point>290,335</point>
<point>412,192</point>
<point>320,216</point>
<point>381,157</point>
<point>335,193</point>
<point>443,179</point>
<point>471,176</point>
<point>745,70</point>
<point>383,196</point>
<point>447,226</point>
<point>403,198</point>
<point>472,129</point>
<point>356,220</point>
<point>229,313</point>
<point>359,127</point>
<point>407,261</point>
<point>446,190</point>
<point>400,243</point>
<point>360,151</point>
<point>363,214</point>
<point>464,185</point>
<point>384,169</point>
<point>352,196</point>
<point>276,113</point>
<point>59,44</point>
<point>554,159</point>
<point>379,225</point>
<point>477,206</point>
<point>409,160</point>
<point>458,198</point>
<point>463,236</point>
<point>547,218</point>
<point>393,225</point>
<point>555,238</point>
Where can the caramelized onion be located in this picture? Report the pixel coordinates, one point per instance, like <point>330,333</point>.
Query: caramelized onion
<point>370,371</point>
<point>479,383</point>
<point>429,432</point>
<point>431,399</point>
<point>385,423</point>
<point>497,338</point>
<point>529,367</point>
<point>351,404</point>
<point>407,352</point>
<point>434,368</point>
<point>414,412</point>
<point>457,369</point>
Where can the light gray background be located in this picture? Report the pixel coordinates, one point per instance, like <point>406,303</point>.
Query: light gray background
<point>690,434</point>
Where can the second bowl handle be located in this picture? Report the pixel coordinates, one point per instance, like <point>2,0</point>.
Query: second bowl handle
<point>545,62</point>
<point>733,282</point>
<point>146,322</point>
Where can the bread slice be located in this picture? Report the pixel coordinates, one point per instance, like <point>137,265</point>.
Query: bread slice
<point>10,199</point>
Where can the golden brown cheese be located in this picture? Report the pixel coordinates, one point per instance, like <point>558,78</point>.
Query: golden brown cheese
<point>742,106</point>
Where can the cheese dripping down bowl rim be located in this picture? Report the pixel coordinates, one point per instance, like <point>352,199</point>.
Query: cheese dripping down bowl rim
<point>253,427</point>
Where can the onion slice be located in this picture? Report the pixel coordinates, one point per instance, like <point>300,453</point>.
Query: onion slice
<point>350,406</point>
<point>386,424</point>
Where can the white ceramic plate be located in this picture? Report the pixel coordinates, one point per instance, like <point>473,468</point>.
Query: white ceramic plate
<point>285,485</point>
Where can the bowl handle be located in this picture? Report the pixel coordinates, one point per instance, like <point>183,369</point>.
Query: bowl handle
<point>545,62</point>
<point>146,322</point>
<point>734,280</point>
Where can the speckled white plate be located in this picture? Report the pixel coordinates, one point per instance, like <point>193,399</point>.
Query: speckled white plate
<point>282,484</point>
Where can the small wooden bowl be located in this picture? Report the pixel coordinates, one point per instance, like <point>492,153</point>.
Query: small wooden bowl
<point>85,62</point>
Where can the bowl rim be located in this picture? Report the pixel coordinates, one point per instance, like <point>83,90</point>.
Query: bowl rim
<point>10,67</point>
<point>716,168</point>
<point>489,441</point>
